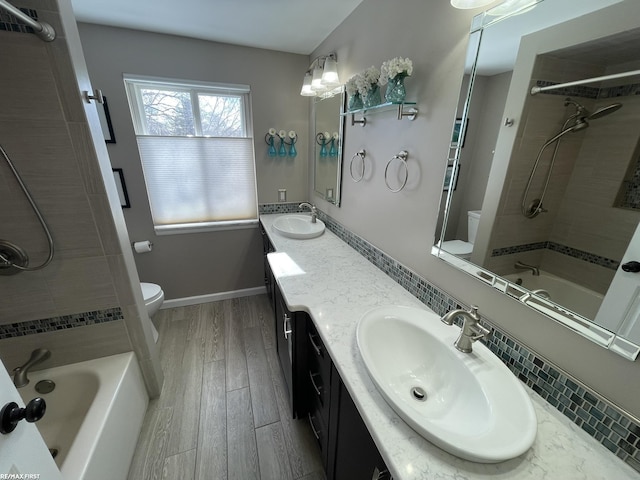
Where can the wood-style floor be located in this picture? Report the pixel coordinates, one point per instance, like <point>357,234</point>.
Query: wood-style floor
<point>223,412</point>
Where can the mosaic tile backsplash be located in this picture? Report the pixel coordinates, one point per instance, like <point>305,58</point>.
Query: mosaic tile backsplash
<point>60,323</point>
<point>614,429</point>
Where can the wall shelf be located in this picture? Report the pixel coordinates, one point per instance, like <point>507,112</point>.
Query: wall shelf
<point>404,109</point>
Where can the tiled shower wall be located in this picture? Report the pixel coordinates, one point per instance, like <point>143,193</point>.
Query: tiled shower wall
<point>44,130</point>
<point>616,430</point>
<point>582,237</point>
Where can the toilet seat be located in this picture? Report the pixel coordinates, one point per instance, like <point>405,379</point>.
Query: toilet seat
<point>150,291</point>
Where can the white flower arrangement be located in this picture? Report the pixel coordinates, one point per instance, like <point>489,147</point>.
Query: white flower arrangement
<point>367,80</point>
<point>351,86</point>
<point>395,66</point>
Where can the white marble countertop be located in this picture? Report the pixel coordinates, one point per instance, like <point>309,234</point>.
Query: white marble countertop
<point>336,286</point>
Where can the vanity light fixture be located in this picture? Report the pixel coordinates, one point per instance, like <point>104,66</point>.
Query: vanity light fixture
<point>512,6</point>
<point>466,4</point>
<point>321,76</point>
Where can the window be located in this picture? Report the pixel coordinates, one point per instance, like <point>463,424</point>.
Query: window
<point>196,147</point>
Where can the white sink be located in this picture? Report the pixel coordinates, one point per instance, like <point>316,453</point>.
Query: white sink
<point>298,226</point>
<point>473,406</point>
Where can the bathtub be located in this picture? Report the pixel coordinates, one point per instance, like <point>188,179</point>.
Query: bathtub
<point>574,297</point>
<point>94,415</point>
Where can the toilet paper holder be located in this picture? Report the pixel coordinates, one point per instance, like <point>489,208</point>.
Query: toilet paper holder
<point>144,246</point>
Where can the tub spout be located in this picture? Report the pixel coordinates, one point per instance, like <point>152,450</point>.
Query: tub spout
<point>39,355</point>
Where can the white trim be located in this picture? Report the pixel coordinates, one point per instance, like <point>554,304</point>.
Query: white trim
<point>212,297</point>
<point>201,227</point>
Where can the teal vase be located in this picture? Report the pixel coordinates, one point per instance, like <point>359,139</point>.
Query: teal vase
<point>355,102</point>
<point>282,151</point>
<point>396,92</point>
<point>372,98</point>
<point>272,148</point>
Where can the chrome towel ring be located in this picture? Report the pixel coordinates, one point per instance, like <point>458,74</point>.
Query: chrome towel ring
<point>362,154</point>
<point>402,157</point>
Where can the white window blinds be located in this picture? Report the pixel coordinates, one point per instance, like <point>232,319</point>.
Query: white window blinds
<point>197,152</point>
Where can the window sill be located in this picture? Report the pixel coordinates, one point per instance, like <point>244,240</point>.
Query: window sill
<point>180,229</point>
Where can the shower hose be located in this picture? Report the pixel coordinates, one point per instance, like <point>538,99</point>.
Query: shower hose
<point>4,261</point>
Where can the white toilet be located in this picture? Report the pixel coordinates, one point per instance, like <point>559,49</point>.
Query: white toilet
<point>153,298</point>
<point>460,248</point>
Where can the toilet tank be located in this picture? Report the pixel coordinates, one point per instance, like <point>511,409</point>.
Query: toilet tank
<point>473,220</point>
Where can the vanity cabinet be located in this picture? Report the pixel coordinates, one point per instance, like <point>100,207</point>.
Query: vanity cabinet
<point>347,450</point>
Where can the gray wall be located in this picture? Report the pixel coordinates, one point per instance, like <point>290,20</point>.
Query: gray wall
<point>434,36</point>
<point>188,265</point>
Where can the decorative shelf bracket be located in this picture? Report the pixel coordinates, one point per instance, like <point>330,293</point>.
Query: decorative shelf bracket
<point>411,113</point>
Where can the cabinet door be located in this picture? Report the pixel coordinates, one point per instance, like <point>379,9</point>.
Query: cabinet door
<point>291,328</point>
<point>284,342</point>
<point>356,456</point>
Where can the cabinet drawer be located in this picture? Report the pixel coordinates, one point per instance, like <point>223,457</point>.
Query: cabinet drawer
<point>317,353</point>
<point>320,432</point>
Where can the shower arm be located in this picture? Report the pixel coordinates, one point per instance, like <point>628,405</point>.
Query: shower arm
<point>41,29</point>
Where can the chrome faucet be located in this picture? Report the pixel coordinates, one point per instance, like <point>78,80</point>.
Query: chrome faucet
<point>471,330</point>
<point>314,210</point>
<point>39,355</point>
<point>523,266</point>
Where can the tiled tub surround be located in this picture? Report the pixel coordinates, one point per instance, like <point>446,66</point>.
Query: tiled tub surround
<point>339,286</point>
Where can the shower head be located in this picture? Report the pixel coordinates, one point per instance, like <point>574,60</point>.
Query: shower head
<point>583,114</point>
<point>604,111</point>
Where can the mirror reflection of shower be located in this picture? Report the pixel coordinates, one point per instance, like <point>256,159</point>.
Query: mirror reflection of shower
<point>13,259</point>
<point>574,123</point>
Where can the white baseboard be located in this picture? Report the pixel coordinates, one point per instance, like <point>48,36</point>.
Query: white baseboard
<point>212,297</point>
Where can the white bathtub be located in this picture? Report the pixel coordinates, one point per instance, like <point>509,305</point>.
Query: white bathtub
<point>574,297</point>
<point>94,415</point>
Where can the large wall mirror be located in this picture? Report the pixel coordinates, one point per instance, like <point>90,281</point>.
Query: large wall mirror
<point>328,132</point>
<point>542,194</point>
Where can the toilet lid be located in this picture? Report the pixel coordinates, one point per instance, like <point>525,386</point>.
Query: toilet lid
<point>457,247</point>
<point>150,290</point>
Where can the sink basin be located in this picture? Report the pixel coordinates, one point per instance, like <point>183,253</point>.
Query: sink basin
<point>298,226</point>
<point>468,404</point>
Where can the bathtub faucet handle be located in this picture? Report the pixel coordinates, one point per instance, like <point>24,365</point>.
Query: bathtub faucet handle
<point>11,414</point>
<point>20,378</point>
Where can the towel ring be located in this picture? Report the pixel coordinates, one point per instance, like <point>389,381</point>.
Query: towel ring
<point>362,154</point>
<point>402,156</point>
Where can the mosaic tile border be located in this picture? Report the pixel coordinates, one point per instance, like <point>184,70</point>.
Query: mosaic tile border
<point>614,429</point>
<point>10,23</point>
<point>563,249</point>
<point>64,322</point>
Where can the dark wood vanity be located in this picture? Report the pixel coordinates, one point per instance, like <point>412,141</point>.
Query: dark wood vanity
<point>318,395</point>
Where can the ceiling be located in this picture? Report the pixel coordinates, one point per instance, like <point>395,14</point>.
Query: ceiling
<point>501,40</point>
<point>296,26</point>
